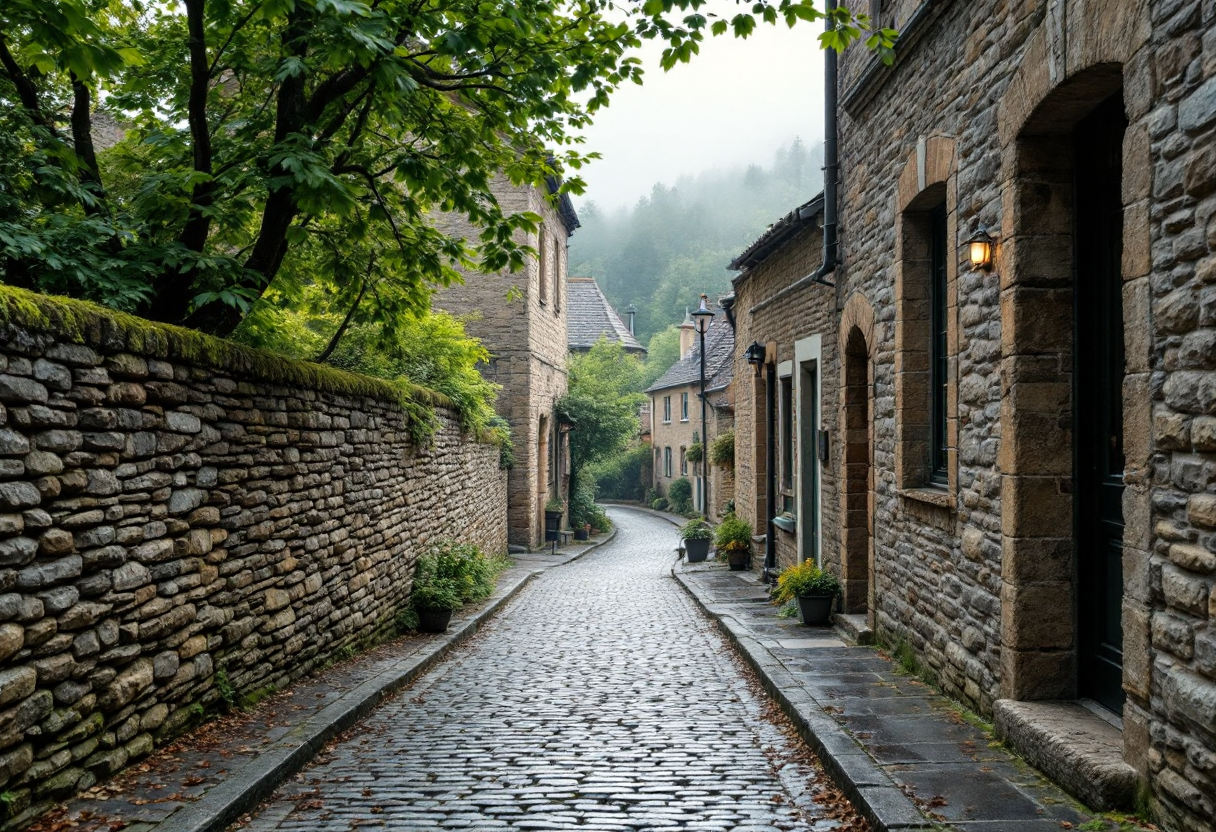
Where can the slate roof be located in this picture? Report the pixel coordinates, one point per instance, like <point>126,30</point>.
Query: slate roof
<point>589,316</point>
<point>777,234</point>
<point>719,360</point>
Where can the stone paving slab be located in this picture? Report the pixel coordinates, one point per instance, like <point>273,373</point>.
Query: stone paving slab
<point>903,754</point>
<point>209,778</point>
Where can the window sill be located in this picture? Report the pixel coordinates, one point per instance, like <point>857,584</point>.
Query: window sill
<point>939,497</point>
<point>786,522</point>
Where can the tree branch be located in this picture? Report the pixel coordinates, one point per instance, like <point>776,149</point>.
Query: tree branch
<point>350,314</point>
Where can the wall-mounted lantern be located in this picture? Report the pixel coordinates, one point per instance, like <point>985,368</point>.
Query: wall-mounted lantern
<point>755,355</point>
<point>979,249</point>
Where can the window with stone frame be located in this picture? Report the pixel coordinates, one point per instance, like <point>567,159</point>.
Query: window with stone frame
<point>557,252</point>
<point>667,461</point>
<point>785,416</point>
<point>666,409</point>
<point>683,461</point>
<point>926,406</point>
<point>683,407</point>
<point>939,356</point>
<point>542,261</point>
<point>658,463</point>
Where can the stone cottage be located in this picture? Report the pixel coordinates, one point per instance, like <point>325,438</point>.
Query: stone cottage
<point>786,381</point>
<point>1027,491</point>
<point>526,334</point>
<point>675,412</point>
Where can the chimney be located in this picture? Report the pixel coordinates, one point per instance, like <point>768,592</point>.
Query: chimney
<point>688,334</point>
<point>631,311</point>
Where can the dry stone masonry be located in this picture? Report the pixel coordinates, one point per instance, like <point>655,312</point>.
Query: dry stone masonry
<point>173,532</point>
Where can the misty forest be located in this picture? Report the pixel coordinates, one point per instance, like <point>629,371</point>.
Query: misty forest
<point>672,245</point>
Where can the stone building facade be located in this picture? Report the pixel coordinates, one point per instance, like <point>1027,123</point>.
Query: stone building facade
<point>675,413</point>
<point>526,333</point>
<point>173,506</point>
<point>793,322</point>
<point>1040,436</point>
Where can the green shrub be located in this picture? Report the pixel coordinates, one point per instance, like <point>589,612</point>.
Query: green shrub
<point>696,529</point>
<point>804,578</point>
<point>433,594</point>
<point>694,452</point>
<point>453,574</point>
<point>733,534</point>
<point>583,509</point>
<point>660,504</point>
<point>623,476</point>
<point>679,495</point>
<point>722,450</point>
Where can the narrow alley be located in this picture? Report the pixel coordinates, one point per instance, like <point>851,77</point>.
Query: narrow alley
<point>600,699</point>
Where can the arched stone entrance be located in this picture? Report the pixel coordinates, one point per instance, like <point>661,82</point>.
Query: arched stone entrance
<point>1067,390</point>
<point>857,432</point>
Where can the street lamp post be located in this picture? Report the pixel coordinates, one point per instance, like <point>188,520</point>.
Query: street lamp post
<point>701,319</point>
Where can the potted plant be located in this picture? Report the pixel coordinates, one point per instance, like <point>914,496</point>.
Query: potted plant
<point>584,533</point>
<point>696,535</point>
<point>812,588</point>
<point>434,599</point>
<point>733,538</point>
<point>695,452</point>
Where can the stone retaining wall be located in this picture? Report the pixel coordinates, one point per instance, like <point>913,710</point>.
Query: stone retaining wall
<point>171,528</point>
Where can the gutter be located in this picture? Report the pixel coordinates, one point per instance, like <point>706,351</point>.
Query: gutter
<point>831,170</point>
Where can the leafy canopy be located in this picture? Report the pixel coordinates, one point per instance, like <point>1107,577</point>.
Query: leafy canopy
<point>602,402</point>
<point>243,140</point>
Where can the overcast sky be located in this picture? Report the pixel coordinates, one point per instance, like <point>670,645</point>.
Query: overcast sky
<point>735,103</point>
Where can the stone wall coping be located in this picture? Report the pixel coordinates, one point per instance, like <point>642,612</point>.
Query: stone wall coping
<point>110,331</point>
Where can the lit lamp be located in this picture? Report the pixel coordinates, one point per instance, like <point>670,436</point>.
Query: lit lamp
<point>701,319</point>
<point>979,249</point>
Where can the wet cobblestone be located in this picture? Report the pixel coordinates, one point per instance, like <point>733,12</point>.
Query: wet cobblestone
<point>600,700</point>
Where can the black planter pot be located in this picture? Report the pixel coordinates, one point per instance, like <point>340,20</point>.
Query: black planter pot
<point>581,534</point>
<point>815,610</point>
<point>696,550</point>
<point>737,559</point>
<point>434,621</point>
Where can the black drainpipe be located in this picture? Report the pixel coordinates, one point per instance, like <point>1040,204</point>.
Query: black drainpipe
<point>770,472</point>
<point>831,167</point>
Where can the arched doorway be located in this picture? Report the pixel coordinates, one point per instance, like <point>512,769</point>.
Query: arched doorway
<point>857,449</point>
<point>1064,378</point>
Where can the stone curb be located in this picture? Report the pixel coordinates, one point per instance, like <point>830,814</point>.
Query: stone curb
<point>223,805</point>
<point>871,790</point>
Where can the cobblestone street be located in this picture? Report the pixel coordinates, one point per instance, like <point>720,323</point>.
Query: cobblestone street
<point>601,699</point>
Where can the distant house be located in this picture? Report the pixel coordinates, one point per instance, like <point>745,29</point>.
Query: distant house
<point>592,317</point>
<point>527,342</point>
<point>786,408</point>
<point>675,411</point>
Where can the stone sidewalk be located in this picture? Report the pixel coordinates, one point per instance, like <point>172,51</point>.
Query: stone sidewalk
<point>907,757</point>
<point>208,778</point>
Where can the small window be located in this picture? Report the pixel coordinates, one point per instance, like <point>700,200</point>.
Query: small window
<point>667,408</point>
<point>683,462</point>
<point>557,275</point>
<point>786,427</point>
<point>542,260</point>
<point>939,359</point>
<point>683,407</point>
<point>667,461</point>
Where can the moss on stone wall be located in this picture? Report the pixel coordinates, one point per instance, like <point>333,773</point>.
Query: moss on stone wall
<point>112,331</point>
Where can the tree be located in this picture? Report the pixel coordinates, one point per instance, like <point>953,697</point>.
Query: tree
<point>602,403</point>
<point>264,136</point>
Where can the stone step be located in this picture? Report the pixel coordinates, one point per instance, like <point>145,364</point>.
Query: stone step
<point>854,628</point>
<point>1073,746</point>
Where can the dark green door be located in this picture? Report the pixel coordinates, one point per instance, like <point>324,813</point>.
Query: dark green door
<point>1098,410</point>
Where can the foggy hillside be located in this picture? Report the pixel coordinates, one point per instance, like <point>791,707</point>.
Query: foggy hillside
<point>676,242</point>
